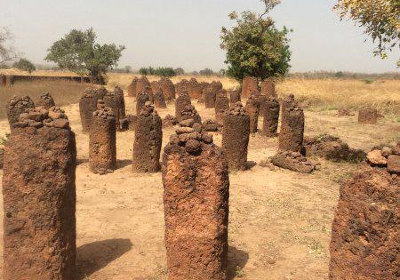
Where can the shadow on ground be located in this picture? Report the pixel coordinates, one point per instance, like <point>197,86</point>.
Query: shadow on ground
<point>237,260</point>
<point>97,255</point>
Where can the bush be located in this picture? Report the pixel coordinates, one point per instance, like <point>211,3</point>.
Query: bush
<point>160,71</point>
<point>24,65</point>
<point>207,72</point>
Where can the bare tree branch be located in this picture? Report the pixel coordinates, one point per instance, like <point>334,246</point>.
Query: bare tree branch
<point>7,53</point>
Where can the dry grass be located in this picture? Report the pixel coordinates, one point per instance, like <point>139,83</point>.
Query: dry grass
<point>63,92</point>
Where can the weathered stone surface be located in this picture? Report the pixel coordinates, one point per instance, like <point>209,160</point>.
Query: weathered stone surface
<point>46,101</point>
<point>221,106</point>
<point>268,88</point>
<point>148,140</point>
<point>253,109</point>
<point>132,88</point>
<point>210,95</point>
<point>343,112</point>
<point>331,148</point>
<point>155,85</point>
<point>249,85</point>
<point>39,200</point>
<point>196,197</point>
<point>168,89</point>
<point>375,157</point>
<point>234,96</point>
<point>271,117</point>
<point>368,116</point>
<point>1,156</point>
<point>88,104</point>
<point>132,120</point>
<point>365,241</point>
<point>181,87</point>
<point>181,102</point>
<point>141,98</point>
<point>102,141</point>
<point>393,164</point>
<point>194,89</point>
<point>159,101</point>
<point>142,84</point>
<point>169,121</point>
<point>292,126</point>
<point>293,161</point>
<point>115,100</point>
<point>190,112</point>
<point>16,106</point>
<point>235,137</point>
<point>210,125</point>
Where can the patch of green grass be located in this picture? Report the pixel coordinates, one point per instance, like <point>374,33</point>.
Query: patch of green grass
<point>239,272</point>
<point>4,139</point>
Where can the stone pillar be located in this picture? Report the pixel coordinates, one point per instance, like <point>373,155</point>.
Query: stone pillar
<point>253,109</point>
<point>181,102</point>
<point>249,85</point>
<point>190,112</point>
<point>115,100</point>
<point>261,101</point>
<point>39,198</point>
<point>221,106</point>
<point>292,127</point>
<point>16,106</point>
<point>234,96</point>
<point>102,141</point>
<point>268,88</point>
<point>132,88</point>
<point>148,141</point>
<point>210,96</point>
<point>141,99</point>
<point>196,206</point>
<point>168,89</point>
<point>368,116</point>
<point>154,85</point>
<point>46,101</point>
<point>88,104</point>
<point>365,238</point>
<point>271,117</point>
<point>194,89</point>
<point>142,84</point>
<point>182,86</point>
<point>10,80</point>
<point>235,137</point>
<point>159,101</point>
<point>3,82</point>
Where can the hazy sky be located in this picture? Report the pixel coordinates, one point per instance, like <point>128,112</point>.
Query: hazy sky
<point>185,33</point>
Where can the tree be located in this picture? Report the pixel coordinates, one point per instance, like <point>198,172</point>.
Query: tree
<point>206,72</point>
<point>160,71</point>
<point>7,53</point>
<point>179,71</point>
<point>79,52</point>
<point>380,18</point>
<point>255,46</point>
<point>25,65</point>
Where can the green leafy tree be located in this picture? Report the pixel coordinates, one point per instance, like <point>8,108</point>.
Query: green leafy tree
<point>255,46</point>
<point>160,71</point>
<point>180,71</point>
<point>207,72</point>
<point>79,52</point>
<point>380,18</point>
<point>25,65</point>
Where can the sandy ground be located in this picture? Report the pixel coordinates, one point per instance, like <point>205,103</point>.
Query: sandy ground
<point>279,226</point>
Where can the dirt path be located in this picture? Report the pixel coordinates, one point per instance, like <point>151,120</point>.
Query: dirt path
<point>279,220</point>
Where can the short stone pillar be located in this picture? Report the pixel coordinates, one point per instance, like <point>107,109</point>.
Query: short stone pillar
<point>155,85</point>
<point>194,89</point>
<point>235,137</point>
<point>368,116</point>
<point>141,99</point>
<point>365,238</point>
<point>249,85</point>
<point>253,109</point>
<point>159,101</point>
<point>88,104</point>
<point>180,103</point>
<point>292,127</point>
<point>115,100</point>
<point>132,88</point>
<point>168,88</point>
<point>148,141</point>
<point>102,141</point>
<point>221,106</point>
<point>271,117</point>
<point>196,206</point>
<point>39,198</point>
<point>261,101</point>
<point>16,106</point>
<point>190,112</point>
<point>210,96</point>
<point>182,86</point>
<point>234,96</point>
<point>268,88</point>
<point>46,101</point>
<point>141,84</point>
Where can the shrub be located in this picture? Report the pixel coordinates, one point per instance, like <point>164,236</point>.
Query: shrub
<point>24,65</point>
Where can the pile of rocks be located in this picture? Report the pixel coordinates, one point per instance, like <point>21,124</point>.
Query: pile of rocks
<point>294,161</point>
<point>169,121</point>
<point>210,125</point>
<point>190,112</point>
<point>386,157</point>
<point>39,117</point>
<point>16,106</point>
<point>46,101</point>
